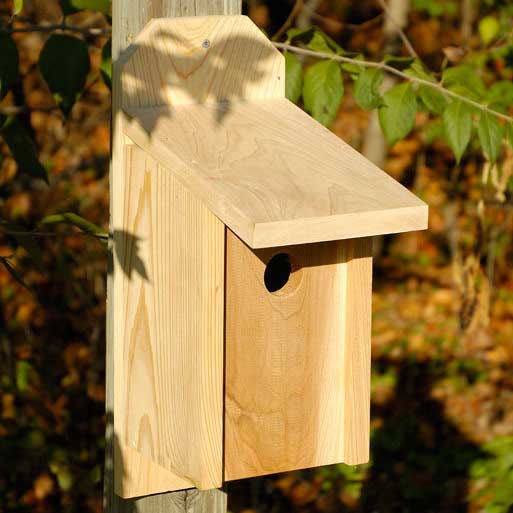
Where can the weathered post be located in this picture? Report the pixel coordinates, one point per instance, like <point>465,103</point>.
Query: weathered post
<point>129,18</point>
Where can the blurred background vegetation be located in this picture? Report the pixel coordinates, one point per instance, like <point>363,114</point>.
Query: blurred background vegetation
<point>442,382</point>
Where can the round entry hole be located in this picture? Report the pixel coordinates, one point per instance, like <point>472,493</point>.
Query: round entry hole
<point>277,272</point>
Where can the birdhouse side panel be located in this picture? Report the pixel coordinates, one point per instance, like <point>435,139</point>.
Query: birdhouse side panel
<point>169,297</point>
<point>357,344</point>
<point>297,366</point>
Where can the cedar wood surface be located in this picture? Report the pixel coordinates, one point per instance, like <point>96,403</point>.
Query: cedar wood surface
<point>170,328</point>
<point>298,359</point>
<point>274,175</point>
<point>129,18</point>
<point>271,173</point>
<point>250,145</point>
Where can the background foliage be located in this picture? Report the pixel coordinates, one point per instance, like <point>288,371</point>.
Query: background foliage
<point>439,89</point>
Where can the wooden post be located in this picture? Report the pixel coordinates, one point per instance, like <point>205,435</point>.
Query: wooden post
<point>129,18</point>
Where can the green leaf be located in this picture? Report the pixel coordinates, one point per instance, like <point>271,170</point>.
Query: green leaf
<point>323,91</point>
<point>106,64</point>
<point>397,114</point>
<point>22,149</point>
<point>24,374</point>
<point>9,61</point>
<point>64,478</point>
<point>319,43</point>
<point>293,77</point>
<point>418,70</point>
<point>432,99</point>
<point>400,63</point>
<point>71,6</point>
<point>509,134</point>
<point>464,80</point>
<point>436,8</point>
<point>366,89</point>
<point>13,272</point>
<point>315,40</point>
<point>103,6</point>
<point>500,95</point>
<point>64,64</point>
<point>333,44</point>
<point>353,69</point>
<point>17,7</point>
<point>488,29</point>
<point>490,136</point>
<point>75,220</point>
<point>457,120</point>
<point>303,35</point>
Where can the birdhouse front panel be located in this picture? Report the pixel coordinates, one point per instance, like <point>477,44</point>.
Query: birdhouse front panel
<point>297,356</point>
<point>242,266</point>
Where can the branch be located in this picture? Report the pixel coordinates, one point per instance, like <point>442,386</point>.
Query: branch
<point>300,6</point>
<point>296,10</point>
<point>399,29</point>
<point>389,69</point>
<point>92,31</point>
<point>15,110</point>
<point>100,236</point>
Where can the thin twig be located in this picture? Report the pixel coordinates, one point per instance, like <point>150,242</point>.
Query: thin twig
<point>52,234</point>
<point>353,27</point>
<point>296,10</point>
<point>15,110</point>
<point>400,31</point>
<point>339,24</point>
<point>92,31</point>
<point>389,69</point>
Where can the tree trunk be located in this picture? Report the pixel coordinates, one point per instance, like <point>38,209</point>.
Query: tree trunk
<point>304,20</point>
<point>129,18</point>
<point>374,145</point>
<point>468,13</point>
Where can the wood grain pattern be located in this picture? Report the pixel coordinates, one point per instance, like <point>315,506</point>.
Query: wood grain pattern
<point>188,501</point>
<point>178,61</point>
<point>357,345</point>
<point>169,331</point>
<point>297,360</point>
<point>273,175</point>
<point>141,475</point>
<point>129,18</point>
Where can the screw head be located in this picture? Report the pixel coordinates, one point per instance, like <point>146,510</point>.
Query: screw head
<point>206,44</point>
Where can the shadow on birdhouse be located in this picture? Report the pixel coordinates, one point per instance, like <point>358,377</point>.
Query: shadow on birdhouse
<point>246,350</point>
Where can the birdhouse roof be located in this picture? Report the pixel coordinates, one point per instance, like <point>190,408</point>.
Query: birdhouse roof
<point>273,175</point>
<point>265,168</point>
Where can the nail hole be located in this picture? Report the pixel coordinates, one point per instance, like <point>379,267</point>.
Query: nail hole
<point>277,272</point>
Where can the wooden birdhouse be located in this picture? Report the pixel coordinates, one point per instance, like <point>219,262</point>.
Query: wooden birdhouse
<point>242,266</point>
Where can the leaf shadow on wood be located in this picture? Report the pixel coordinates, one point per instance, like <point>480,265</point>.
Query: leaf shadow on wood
<point>126,248</point>
<point>224,76</point>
